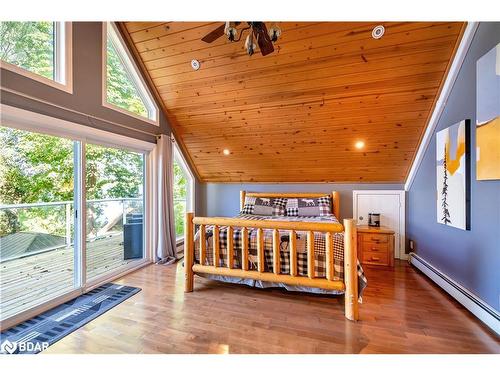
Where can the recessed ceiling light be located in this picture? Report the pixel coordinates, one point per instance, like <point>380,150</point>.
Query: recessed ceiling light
<point>195,64</point>
<point>378,32</point>
<point>226,151</point>
<point>359,145</point>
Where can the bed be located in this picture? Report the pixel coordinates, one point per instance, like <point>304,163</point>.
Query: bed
<point>289,240</point>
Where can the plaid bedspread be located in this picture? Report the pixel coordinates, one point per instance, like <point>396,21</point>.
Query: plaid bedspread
<point>319,248</point>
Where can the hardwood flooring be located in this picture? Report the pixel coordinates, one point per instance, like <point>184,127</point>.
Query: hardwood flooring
<point>402,312</point>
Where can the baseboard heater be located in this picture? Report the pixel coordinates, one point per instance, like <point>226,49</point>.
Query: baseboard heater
<point>484,312</point>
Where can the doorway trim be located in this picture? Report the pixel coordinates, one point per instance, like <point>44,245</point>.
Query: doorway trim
<point>401,254</point>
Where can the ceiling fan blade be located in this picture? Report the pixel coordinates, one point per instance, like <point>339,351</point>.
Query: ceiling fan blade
<point>215,34</point>
<point>264,41</point>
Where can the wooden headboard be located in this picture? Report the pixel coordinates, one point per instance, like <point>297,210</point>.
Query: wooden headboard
<point>334,195</point>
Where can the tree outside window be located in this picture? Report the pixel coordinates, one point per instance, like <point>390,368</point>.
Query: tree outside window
<point>125,88</point>
<point>180,198</point>
<point>120,88</point>
<point>29,45</point>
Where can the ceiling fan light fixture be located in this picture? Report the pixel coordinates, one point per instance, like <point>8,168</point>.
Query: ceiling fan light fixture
<point>230,31</point>
<point>274,32</point>
<point>249,44</point>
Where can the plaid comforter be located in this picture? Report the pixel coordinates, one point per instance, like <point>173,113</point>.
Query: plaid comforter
<point>319,248</point>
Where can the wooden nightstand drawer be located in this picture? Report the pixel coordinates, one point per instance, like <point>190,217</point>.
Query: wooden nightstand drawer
<point>375,247</point>
<point>375,257</point>
<point>375,237</point>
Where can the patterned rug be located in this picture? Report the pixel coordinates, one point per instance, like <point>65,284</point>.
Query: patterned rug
<point>38,333</point>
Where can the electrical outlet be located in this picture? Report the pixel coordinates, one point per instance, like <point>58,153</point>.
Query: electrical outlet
<point>411,245</point>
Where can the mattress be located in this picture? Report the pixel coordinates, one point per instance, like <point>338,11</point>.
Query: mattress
<point>301,243</point>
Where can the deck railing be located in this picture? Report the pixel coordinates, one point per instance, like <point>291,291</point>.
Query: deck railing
<point>66,206</point>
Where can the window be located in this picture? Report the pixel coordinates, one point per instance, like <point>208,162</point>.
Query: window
<point>124,87</point>
<point>38,50</point>
<point>183,191</point>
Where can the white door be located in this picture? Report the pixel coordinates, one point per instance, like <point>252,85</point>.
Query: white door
<point>390,204</point>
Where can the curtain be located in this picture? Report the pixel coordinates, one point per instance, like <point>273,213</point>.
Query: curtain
<point>165,241</point>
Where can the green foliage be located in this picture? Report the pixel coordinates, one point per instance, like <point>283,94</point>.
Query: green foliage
<point>120,86</point>
<point>39,168</point>
<point>29,45</point>
<point>113,173</point>
<point>35,167</point>
<point>180,195</point>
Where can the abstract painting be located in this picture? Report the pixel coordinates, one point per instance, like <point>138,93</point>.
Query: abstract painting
<point>488,116</point>
<point>453,175</point>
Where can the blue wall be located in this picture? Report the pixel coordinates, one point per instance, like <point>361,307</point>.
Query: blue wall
<point>224,199</point>
<point>472,258</point>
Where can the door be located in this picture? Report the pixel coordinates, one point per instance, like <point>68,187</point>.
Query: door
<point>390,204</point>
<point>114,209</point>
<point>38,252</point>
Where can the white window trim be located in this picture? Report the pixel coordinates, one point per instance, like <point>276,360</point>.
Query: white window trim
<point>190,194</point>
<point>137,77</point>
<point>30,121</point>
<point>63,62</point>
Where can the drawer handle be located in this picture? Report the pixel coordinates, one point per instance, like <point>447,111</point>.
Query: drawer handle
<point>374,249</point>
<point>375,258</point>
<point>376,240</point>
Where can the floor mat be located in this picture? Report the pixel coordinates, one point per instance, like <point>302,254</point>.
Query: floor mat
<point>41,331</point>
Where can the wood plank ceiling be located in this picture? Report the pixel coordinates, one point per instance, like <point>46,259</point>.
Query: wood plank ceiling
<point>295,115</point>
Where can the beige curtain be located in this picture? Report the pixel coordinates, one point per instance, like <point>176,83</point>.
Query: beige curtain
<point>163,176</point>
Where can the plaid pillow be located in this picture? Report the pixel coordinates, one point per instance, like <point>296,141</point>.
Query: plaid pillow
<point>309,206</point>
<point>279,206</point>
<point>264,206</point>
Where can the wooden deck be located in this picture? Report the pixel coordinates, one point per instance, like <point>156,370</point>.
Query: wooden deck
<point>26,282</point>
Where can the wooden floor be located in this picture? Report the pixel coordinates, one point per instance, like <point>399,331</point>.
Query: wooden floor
<point>402,312</point>
<point>26,282</point>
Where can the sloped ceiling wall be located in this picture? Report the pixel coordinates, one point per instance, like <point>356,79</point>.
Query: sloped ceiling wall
<point>295,115</point>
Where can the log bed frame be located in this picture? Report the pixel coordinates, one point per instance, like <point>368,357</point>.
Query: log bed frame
<point>349,285</point>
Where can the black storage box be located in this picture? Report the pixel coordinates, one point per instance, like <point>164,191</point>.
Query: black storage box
<point>133,237</point>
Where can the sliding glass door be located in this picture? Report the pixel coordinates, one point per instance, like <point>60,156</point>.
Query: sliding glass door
<point>48,249</point>
<point>114,209</point>
<point>37,252</point>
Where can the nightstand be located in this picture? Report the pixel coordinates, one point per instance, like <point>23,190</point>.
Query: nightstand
<point>375,245</point>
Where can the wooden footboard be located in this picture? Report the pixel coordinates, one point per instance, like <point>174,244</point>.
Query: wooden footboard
<point>349,285</point>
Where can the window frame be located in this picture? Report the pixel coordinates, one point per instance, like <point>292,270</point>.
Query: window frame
<point>63,60</point>
<point>131,67</point>
<point>190,191</point>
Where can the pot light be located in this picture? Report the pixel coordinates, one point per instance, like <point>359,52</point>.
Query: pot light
<point>359,145</point>
<point>195,64</point>
<point>226,151</point>
<point>378,32</point>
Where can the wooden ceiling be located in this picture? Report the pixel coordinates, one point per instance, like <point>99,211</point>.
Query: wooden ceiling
<point>295,115</point>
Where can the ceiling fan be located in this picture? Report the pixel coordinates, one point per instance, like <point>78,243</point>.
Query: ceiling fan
<point>258,31</point>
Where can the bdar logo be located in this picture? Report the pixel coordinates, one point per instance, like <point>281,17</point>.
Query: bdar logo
<point>8,347</point>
